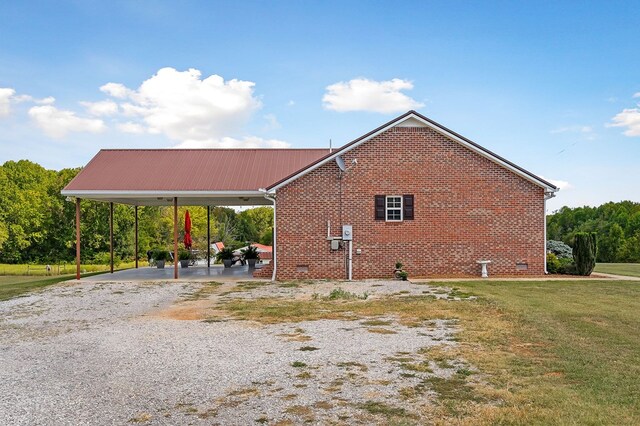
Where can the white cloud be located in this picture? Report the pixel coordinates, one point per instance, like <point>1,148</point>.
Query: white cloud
<point>116,90</point>
<point>101,108</point>
<point>49,100</point>
<point>362,94</point>
<point>562,184</point>
<point>184,107</point>
<point>229,142</point>
<point>6,94</point>
<point>131,127</point>
<point>629,118</point>
<point>180,105</point>
<point>57,123</point>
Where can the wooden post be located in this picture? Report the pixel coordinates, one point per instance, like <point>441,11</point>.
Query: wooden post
<point>208,236</point>
<point>175,238</point>
<point>77,238</point>
<point>111,237</point>
<point>136,242</point>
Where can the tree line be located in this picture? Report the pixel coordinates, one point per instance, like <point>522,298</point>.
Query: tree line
<point>37,224</point>
<point>617,226</point>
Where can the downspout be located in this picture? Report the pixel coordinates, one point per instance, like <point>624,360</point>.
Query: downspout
<point>272,198</point>
<point>547,195</point>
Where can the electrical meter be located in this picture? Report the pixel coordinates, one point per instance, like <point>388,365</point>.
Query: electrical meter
<point>347,232</point>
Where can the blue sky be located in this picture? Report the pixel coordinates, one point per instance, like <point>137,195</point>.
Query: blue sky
<point>552,86</point>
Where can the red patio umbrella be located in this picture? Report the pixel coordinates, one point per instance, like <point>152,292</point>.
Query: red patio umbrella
<point>187,231</point>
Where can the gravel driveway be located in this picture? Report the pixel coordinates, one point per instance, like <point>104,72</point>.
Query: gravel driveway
<point>115,353</point>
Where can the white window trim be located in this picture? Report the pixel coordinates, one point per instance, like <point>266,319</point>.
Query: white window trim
<point>386,208</point>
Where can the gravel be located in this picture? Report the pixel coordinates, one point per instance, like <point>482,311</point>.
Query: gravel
<point>103,353</point>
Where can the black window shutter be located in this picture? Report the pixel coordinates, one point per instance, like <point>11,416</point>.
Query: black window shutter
<point>380,207</point>
<point>407,207</point>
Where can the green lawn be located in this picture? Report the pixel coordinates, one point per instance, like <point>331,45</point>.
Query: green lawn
<point>62,269</point>
<point>13,286</point>
<point>553,352</point>
<point>628,269</point>
<point>581,357</point>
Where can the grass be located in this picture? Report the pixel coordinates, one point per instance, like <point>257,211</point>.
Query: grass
<point>61,269</point>
<point>203,292</point>
<point>339,293</point>
<point>553,352</point>
<point>375,407</point>
<point>14,286</point>
<point>628,269</point>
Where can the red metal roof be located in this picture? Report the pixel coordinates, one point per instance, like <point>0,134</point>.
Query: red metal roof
<point>190,169</point>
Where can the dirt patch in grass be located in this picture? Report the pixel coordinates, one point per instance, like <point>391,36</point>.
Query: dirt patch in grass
<point>190,311</point>
<point>204,292</point>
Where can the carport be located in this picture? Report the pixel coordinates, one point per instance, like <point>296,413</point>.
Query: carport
<point>183,177</point>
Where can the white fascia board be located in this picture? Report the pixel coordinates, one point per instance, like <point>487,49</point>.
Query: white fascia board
<point>163,194</point>
<point>430,125</point>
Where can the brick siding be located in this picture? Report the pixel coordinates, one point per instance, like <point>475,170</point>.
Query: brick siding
<point>467,208</point>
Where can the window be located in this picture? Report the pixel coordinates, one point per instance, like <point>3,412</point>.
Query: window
<point>394,208</point>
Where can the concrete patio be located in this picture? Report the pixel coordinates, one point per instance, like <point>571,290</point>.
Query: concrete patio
<point>192,273</point>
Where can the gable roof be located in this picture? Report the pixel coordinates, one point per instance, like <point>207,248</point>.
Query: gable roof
<point>421,120</point>
<point>197,176</point>
<point>190,169</point>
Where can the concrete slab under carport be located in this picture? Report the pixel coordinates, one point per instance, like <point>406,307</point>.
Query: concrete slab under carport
<point>192,273</point>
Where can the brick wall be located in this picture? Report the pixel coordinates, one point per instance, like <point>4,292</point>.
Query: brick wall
<point>467,208</point>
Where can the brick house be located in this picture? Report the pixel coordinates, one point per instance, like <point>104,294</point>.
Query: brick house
<point>415,192</point>
<point>411,191</point>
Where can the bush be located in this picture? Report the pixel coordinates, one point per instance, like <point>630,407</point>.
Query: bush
<point>557,265</point>
<point>567,267</point>
<point>225,253</point>
<point>159,254</point>
<point>560,249</point>
<point>584,252</point>
<point>250,252</point>
<point>184,254</point>
<point>553,264</point>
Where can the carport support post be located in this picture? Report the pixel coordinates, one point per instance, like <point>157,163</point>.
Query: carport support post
<point>208,236</point>
<point>175,238</point>
<point>77,238</point>
<point>136,244</point>
<point>111,237</point>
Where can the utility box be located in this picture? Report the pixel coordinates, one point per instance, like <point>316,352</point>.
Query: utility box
<point>347,232</point>
<point>335,244</point>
